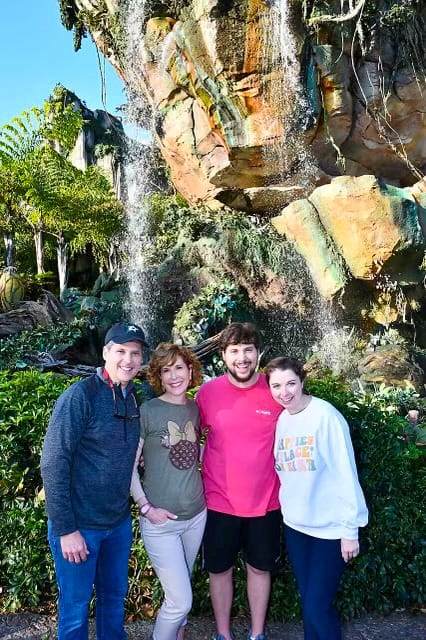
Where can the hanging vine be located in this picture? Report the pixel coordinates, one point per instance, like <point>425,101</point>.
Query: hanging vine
<point>376,22</point>
<point>364,26</point>
<point>71,19</point>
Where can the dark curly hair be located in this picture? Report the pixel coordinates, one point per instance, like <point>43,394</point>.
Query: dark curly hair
<point>167,353</point>
<point>239,333</point>
<point>283,364</point>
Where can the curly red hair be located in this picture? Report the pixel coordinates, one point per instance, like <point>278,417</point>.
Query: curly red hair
<point>167,353</point>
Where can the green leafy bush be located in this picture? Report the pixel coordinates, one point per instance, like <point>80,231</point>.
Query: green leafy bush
<point>15,351</point>
<point>253,246</point>
<point>99,309</point>
<point>388,574</point>
<point>171,218</point>
<point>26,400</point>
<point>390,571</point>
<point>207,313</point>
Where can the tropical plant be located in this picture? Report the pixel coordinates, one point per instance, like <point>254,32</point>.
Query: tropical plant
<point>207,313</point>
<point>23,143</point>
<point>26,400</point>
<point>75,207</point>
<point>44,192</point>
<point>10,205</point>
<point>16,351</point>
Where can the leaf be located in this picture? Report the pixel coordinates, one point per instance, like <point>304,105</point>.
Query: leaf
<point>21,364</point>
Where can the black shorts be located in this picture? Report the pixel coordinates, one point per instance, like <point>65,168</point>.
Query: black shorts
<point>259,538</point>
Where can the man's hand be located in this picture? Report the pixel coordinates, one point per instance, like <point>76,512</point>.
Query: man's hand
<point>74,548</point>
<point>350,549</point>
<point>159,516</point>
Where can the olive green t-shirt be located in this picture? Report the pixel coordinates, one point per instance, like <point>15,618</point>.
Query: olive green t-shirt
<point>171,478</point>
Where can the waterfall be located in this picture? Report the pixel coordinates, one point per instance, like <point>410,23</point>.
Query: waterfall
<point>287,47</point>
<point>9,246</point>
<point>142,292</point>
<point>286,96</point>
<point>62,258</point>
<point>290,152</point>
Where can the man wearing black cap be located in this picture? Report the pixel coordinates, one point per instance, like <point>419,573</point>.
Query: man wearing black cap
<point>87,464</point>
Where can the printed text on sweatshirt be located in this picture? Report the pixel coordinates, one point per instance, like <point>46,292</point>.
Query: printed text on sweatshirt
<point>320,494</point>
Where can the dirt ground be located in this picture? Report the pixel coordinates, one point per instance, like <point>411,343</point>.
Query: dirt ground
<point>397,626</point>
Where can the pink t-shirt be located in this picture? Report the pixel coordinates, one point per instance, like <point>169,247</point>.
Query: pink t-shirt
<point>238,463</point>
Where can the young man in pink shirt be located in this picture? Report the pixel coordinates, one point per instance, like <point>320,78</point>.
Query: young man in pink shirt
<point>241,486</point>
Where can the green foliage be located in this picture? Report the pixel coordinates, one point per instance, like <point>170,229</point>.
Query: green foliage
<point>391,400</point>
<point>64,201</point>
<point>62,122</point>
<point>389,573</point>
<point>103,149</point>
<point>85,209</point>
<point>252,244</point>
<point>26,400</point>
<point>171,218</point>
<point>396,401</point>
<point>35,283</point>
<point>91,312</point>
<point>248,244</point>
<point>16,351</point>
<point>71,20</point>
<point>96,311</point>
<point>42,192</point>
<point>207,313</point>
<point>54,122</point>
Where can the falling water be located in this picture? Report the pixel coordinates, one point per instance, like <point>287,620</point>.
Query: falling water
<point>290,152</point>
<point>142,290</point>
<point>287,99</point>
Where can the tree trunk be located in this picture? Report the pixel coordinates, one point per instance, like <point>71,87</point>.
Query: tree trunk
<point>8,243</point>
<point>62,253</point>
<point>39,250</point>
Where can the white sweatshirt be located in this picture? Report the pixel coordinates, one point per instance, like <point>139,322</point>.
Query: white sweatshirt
<point>320,494</point>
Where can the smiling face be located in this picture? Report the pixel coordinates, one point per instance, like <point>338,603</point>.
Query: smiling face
<point>241,362</point>
<point>123,361</point>
<point>175,379</point>
<point>287,389</point>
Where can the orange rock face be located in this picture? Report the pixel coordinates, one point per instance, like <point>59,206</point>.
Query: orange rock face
<point>221,100</point>
<point>356,222</point>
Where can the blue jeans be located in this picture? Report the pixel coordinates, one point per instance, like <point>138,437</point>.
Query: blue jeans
<point>318,566</point>
<point>106,569</point>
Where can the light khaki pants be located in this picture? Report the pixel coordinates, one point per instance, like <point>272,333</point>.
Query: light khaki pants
<point>172,548</point>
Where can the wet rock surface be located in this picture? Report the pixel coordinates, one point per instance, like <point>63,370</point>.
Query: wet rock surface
<point>391,365</point>
<point>213,79</point>
<point>397,626</point>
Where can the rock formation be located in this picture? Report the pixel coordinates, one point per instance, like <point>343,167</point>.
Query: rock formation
<point>391,365</point>
<point>211,77</point>
<point>100,141</point>
<point>329,135</point>
<point>355,227</point>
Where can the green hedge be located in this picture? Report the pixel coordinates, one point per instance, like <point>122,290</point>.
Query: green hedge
<point>26,399</point>
<point>387,575</point>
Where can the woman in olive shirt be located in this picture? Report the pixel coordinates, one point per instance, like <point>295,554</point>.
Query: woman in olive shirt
<point>171,499</point>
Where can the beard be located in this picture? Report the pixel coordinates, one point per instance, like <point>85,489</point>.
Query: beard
<point>238,377</point>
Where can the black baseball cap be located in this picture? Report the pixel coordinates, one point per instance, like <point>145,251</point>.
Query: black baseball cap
<point>121,332</point>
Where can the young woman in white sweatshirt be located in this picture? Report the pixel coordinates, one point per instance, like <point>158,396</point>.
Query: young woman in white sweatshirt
<point>321,500</point>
